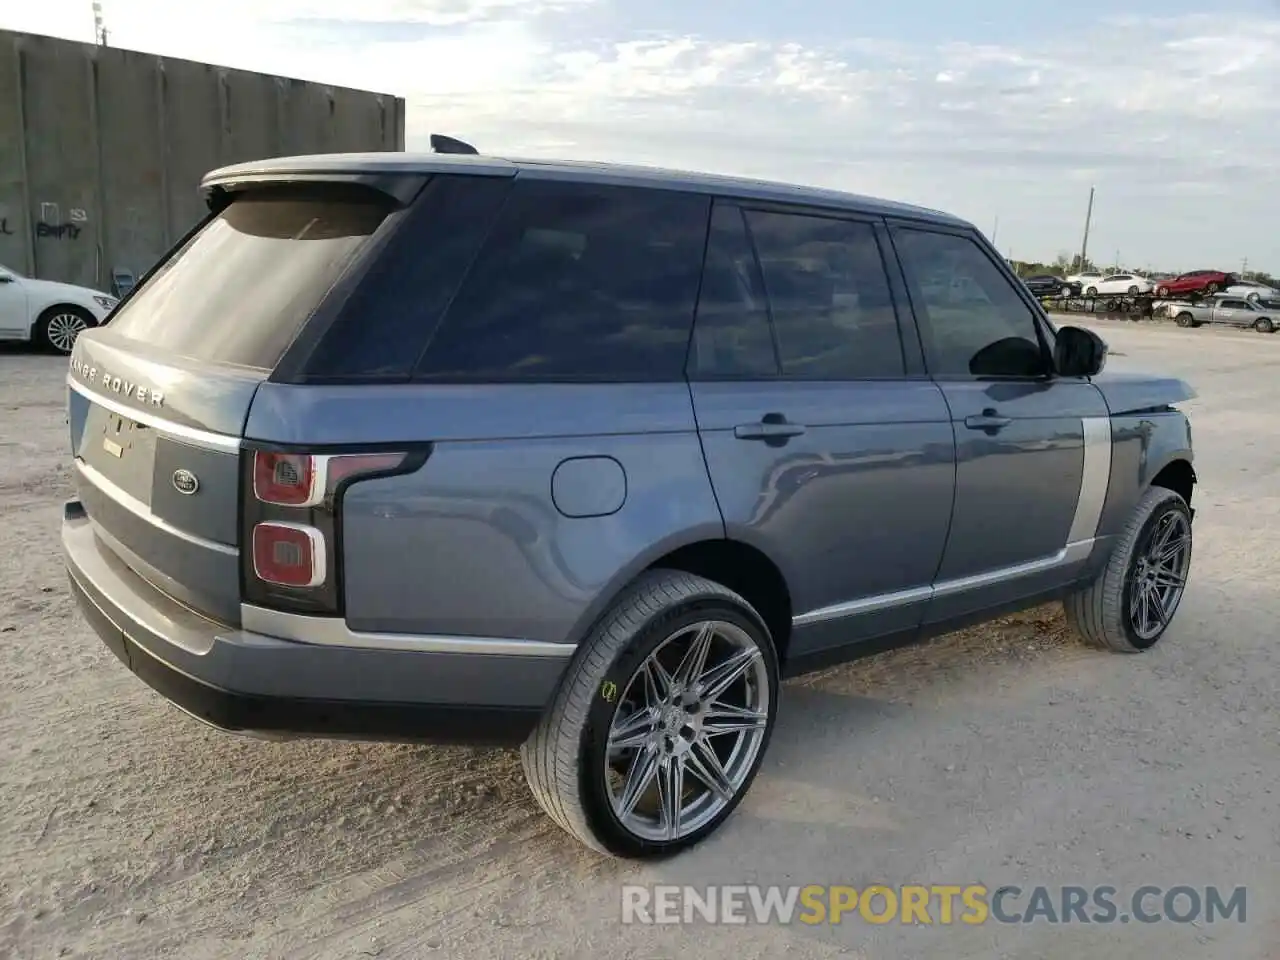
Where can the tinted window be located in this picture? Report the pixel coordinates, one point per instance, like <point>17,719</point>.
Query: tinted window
<point>578,282</point>
<point>385,323</point>
<point>241,289</point>
<point>731,334</point>
<point>1234,305</point>
<point>833,315</point>
<point>972,318</point>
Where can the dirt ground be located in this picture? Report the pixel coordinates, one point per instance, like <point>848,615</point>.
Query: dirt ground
<point>1006,755</point>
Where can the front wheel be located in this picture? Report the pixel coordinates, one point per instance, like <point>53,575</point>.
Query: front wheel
<point>1133,600</point>
<point>1133,291</point>
<point>58,328</point>
<point>1092,291</point>
<point>661,722</point>
<point>1185,320</point>
<point>1162,291</point>
<point>1264,325</point>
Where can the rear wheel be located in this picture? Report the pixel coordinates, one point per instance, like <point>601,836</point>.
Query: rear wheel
<point>1211,289</point>
<point>1162,291</point>
<point>1133,600</point>
<point>661,722</point>
<point>1092,291</point>
<point>1264,325</point>
<point>1185,319</point>
<point>1133,291</point>
<point>58,327</point>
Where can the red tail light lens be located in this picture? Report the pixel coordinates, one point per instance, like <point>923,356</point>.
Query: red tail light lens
<point>289,554</point>
<point>291,524</point>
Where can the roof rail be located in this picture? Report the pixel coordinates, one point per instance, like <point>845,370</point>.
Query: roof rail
<point>442,144</point>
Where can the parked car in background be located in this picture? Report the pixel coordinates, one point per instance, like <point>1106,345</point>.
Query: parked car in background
<point>1119,284</point>
<point>1252,290</point>
<point>1086,278</point>
<point>1196,282</point>
<point>1261,315</point>
<point>48,313</point>
<point>1047,285</point>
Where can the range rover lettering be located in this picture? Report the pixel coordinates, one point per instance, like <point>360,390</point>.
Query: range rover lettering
<point>587,459</point>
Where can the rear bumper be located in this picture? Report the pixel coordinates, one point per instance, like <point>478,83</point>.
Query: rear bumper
<point>246,682</point>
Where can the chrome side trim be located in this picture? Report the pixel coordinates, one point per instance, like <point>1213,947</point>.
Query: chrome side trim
<point>333,631</point>
<point>1095,479</point>
<point>1071,553</point>
<point>143,512</point>
<point>201,438</point>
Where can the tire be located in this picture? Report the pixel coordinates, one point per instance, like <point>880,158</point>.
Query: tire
<point>57,328</point>
<point>1133,291</point>
<point>1162,291</point>
<point>1103,613</point>
<point>1211,289</point>
<point>1264,325</point>
<point>1185,319</point>
<point>1064,293</point>
<point>567,760</point>
<point>1092,292</point>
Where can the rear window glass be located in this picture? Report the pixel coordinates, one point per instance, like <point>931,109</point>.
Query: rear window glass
<point>240,290</point>
<point>577,282</point>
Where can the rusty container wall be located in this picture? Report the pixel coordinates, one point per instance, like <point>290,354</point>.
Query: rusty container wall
<point>102,150</point>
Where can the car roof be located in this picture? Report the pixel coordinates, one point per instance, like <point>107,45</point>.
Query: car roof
<point>619,174</point>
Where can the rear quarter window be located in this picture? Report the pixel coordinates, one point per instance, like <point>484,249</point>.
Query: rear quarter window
<point>577,282</point>
<point>244,285</point>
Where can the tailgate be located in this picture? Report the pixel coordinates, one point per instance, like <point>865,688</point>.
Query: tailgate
<point>156,446</point>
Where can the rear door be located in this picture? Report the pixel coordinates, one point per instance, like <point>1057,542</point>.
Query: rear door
<point>1033,449</point>
<point>826,448</point>
<point>1235,312</point>
<point>159,395</point>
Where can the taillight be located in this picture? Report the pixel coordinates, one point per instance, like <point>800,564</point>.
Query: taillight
<point>292,510</point>
<point>288,554</point>
<point>287,479</point>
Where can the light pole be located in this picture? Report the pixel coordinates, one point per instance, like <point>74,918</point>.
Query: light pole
<point>1084,245</point>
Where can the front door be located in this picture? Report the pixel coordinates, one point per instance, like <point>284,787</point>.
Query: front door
<point>1033,450</point>
<point>821,450</point>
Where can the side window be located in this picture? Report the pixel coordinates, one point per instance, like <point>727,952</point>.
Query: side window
<point>382,328</point>
<point>972,319</point>
<point>731,335</point>
<point>1234,305</point>
<point>577,282</point>
<point>833,314</point>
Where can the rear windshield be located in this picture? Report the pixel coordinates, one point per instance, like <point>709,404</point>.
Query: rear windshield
<point>241,289</point>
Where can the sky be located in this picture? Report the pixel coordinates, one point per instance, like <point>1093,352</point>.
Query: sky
<point>1000,111</point>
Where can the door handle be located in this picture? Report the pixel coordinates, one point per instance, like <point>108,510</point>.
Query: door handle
<point>987,420</point>
<point>773,427</point>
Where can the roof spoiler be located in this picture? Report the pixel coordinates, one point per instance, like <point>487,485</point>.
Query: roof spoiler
<point>442,144</point>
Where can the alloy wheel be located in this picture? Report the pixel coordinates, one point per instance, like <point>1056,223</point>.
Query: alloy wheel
<point>687,731</point>
<point>62,329</point>
<point>1158,575</point>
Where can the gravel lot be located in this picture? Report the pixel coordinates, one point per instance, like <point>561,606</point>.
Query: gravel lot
<point>1003,755</point>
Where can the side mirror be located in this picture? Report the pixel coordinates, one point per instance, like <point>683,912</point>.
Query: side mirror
<point>1078,352</point>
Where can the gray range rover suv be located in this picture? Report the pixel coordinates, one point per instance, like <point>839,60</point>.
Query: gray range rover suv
<point>587,458</point>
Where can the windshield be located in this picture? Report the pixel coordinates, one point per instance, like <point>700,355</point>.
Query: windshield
<point>242,288</point>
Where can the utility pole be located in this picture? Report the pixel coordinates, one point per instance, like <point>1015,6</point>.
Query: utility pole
<point>99,27</point>
<point>1244,267</point>
<point>995,231</point>
<point>1084,245</point>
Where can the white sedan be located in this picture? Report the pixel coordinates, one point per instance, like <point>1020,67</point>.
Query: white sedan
<point>48,313</point>
<point>1118,284</point>
<point>1252,290</point>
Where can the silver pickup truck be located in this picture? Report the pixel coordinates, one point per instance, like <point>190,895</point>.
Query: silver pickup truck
<point>1261,315</point>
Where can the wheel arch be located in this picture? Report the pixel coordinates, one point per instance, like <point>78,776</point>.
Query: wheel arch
<point>742,567</point>
<point>1176,473</point>
<point>42,312</point>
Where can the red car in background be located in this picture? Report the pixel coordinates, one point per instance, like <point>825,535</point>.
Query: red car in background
<point>1197,281</point>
